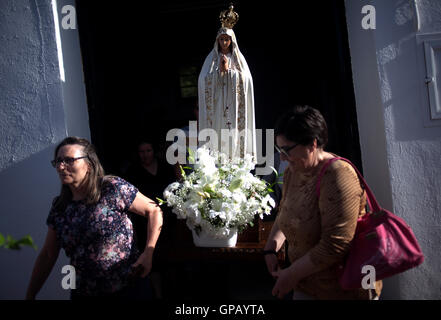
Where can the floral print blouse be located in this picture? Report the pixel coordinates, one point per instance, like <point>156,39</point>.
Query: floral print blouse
<point>98,238</point>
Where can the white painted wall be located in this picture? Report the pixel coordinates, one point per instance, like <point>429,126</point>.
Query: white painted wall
<point>37,110</point>
<point>401,155</point>
<point>74,92</point>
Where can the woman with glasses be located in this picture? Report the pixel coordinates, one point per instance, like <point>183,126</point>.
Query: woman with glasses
<point>318,230</point>
<point>89,221</point>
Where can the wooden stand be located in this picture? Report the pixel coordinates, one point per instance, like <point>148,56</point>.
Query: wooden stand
<point>199,272</point>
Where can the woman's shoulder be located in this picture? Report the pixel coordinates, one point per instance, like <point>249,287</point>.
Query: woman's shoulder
<point>114,181</point>
<point>339,163</point>
<point>162,163</point>
<point>114,186</point>
<point>340,170</point>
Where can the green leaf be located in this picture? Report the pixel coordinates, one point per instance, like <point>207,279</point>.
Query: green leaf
<point>235,184</point>
<point>161,202</point>
<point>27,241</point>
<point>13,244</point>
<point>190,155</point>
<point>2,240</point>
<point>275,171</point>
<point>182,171</point>
<point>209,188</point>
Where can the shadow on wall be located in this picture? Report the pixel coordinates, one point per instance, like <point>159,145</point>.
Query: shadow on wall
<point>27,189</point>
<point>400,58</point>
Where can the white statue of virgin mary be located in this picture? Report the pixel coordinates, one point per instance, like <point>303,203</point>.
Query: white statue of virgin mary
<point>226,98</point>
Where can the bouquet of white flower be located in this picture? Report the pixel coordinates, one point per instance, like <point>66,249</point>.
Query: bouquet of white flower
<point>219,195</point>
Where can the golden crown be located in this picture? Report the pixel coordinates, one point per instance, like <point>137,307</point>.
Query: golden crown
<point>229,17</point>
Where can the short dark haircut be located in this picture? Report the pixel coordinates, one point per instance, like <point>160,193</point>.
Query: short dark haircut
<point>303,124</point>
<point>147,140</point>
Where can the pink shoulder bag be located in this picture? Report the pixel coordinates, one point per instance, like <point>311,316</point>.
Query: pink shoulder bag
<point>382,240</point>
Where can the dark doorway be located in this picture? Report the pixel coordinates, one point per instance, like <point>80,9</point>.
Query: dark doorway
<point>136,53</point>
<point>136,56</point>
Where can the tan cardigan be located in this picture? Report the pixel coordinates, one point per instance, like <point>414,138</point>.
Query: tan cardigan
<point>323,227</point>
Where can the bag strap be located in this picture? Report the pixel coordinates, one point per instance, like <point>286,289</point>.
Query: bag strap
<point>372,202</point>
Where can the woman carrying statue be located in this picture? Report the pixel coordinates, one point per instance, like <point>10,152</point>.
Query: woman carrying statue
<point>226,98</point>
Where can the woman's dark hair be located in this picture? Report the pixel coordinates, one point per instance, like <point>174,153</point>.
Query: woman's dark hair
<point>94,178</point>
<point>303,124</point>
<point>151,142</point>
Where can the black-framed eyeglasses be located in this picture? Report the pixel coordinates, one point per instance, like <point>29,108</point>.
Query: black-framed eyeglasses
<point>285,150</point>
<point>68,161</point>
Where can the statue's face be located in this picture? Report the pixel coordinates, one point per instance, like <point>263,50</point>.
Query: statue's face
<point>224,42</point>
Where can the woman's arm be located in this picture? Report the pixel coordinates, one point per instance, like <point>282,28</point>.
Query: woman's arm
<point>149,209</point>
<point>44,264</point>
<point>276,238</point>
<point>275,241</point>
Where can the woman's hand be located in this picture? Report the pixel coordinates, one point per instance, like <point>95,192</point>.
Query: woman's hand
<point>143,265</point>
<point>286,281</point>
<point>272,263</point>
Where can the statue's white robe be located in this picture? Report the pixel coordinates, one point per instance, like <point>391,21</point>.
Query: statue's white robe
<point>226,101</point>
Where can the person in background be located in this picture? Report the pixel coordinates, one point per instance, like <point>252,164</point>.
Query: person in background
<point>151,176</point>
<point>89,220</point>
<point>318,230</point>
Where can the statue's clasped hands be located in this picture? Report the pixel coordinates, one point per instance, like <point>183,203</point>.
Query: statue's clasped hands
<point>224,64</point>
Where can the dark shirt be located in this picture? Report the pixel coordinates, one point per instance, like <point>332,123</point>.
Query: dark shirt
<point>152,186</point>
